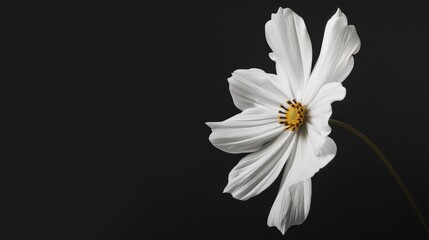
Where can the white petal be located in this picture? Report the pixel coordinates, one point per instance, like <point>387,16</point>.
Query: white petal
<point>317,122</point>
<point>291,206</point>
<point>328,94</point>
<point>322,156</point>
<point>320,110</point>
<point>340,43</point>
<point>255,88</point>
<point>292,203</point>
<point>287,36</point>
<point>246,131</point>
<point>303,160</point>
<point>255,172</point>
<point>316,136</point>
<point>327,152</point>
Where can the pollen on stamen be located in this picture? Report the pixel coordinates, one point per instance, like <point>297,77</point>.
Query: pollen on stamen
<point>293,116</point>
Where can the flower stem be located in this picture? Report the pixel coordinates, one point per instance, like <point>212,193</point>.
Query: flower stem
<point>389,166</point>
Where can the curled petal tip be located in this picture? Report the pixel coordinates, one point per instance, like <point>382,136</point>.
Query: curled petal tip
<point>235,194</point>
<point>339,13</point>
<point>209,124</point>
<point>226,190</point>
<point>285,11</point>
<point>279,227</point>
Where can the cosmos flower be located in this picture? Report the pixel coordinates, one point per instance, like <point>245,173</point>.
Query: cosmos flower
<point>284,120</point>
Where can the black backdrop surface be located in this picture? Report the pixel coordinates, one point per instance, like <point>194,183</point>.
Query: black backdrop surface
<point>103,111</point>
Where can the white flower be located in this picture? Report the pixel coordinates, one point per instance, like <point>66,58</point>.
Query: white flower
<point>284,118</point>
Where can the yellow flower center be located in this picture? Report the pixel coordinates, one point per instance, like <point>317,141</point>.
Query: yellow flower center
<point>292,116</point>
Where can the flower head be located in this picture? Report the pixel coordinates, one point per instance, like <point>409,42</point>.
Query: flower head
<point>284,120</point>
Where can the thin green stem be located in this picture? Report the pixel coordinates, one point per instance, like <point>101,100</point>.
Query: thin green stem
<point>389,166</point>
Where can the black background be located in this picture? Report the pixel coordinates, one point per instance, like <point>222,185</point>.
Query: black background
<point>103,111</point>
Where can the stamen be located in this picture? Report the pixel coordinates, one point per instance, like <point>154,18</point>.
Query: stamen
<point>293,116</point>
